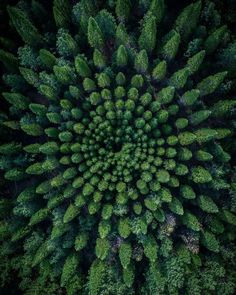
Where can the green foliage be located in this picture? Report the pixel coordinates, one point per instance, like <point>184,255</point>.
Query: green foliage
<point>159,71</point>
<point>82,67</point>
<point>24,26</point>
<point>102,248</point>
<point>47,58</point>
<point>66,45</point>
<point>61,12</point>
<point>188,18</point>
<point>81,241</point>
<point>201,175</point>
<point>123,9</point>
<point>150,249</point>
<point>69,268</point>
<point>117,148</point>
<point>176,207</point>
<point>124,227</point>
<point>210,84</point>
<point>95,36</point>
<point>71,212</point>
<point>39,216</point>
<point>207,204</point>
<point>210,242</point>
<point>125,252</point>
<point>179,78</point>
<point>96,276</point>
<point>157,8</point>
<point>214,39</point>
<point>18,100</point>
<point>141,61</point>
<point>170,45</point>
<point>191,221</point>
<point>195,61</point>
<point>147,39</point>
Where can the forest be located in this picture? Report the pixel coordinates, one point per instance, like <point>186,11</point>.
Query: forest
<point>117,147</point>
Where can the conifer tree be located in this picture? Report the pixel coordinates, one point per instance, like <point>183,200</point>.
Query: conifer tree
<point>147,39</point>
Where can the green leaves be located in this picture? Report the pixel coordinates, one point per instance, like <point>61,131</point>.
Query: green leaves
<point>10,148</point>
<point>166,95</point>
<point>157,8</point>
<point>49,148</point>
<point>121,56</point>
<point>150,249</point>
<point>96,276</point>
<point>159,71</point>
<point>18,100</point>
<point>47,58</point>
<point>39,216</point>
<point>64,74</point>
<point>201,175</point>
<point>30,76</point>
<point>82,67</point>
<point>179,78</point>
<point>102,248</point>
<point>186,138</point>
<point>191,221</point>
<point>200,116</point>
<point>211,83</point>
<point>125,252</point>
<point>205,134</point>
<point>124,228</point>
<point>35,168</point>
<point>210,242</point>
<point>9,61</point>
<point>170,45</point>
<point>207,204</point>
<point>104,228</point>
<point>188,18</point>
<point>69,268</point>
<point>187,192</point>
<point>99,59</point>
<point>123,9</point>
<point>141,61</point>
<point>71,212</point>
<point>195,61</point>
<point>81,241</point>
<point>61,12</point>
<point>66,45</point>
<point>214,39</point>
<point>147,39</point>
<point>190,97</point>
<point>176,206</point>
<point>24,26</point>
<point>95,36</point>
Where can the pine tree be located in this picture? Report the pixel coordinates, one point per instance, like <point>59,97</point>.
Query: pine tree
<point>141,61</point>
<point>170,45</point>
<point>95,37</point>
<point>188,18</point>
<point>61,12</point>
<point>157,8</point>
<point>210,84</point>
<point>213,40</point>
<point>147,39</point>
<point>123,9</point>
<point>24,27</point>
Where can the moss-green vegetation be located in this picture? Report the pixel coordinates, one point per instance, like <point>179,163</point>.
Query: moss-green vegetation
<point>116,144</point>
